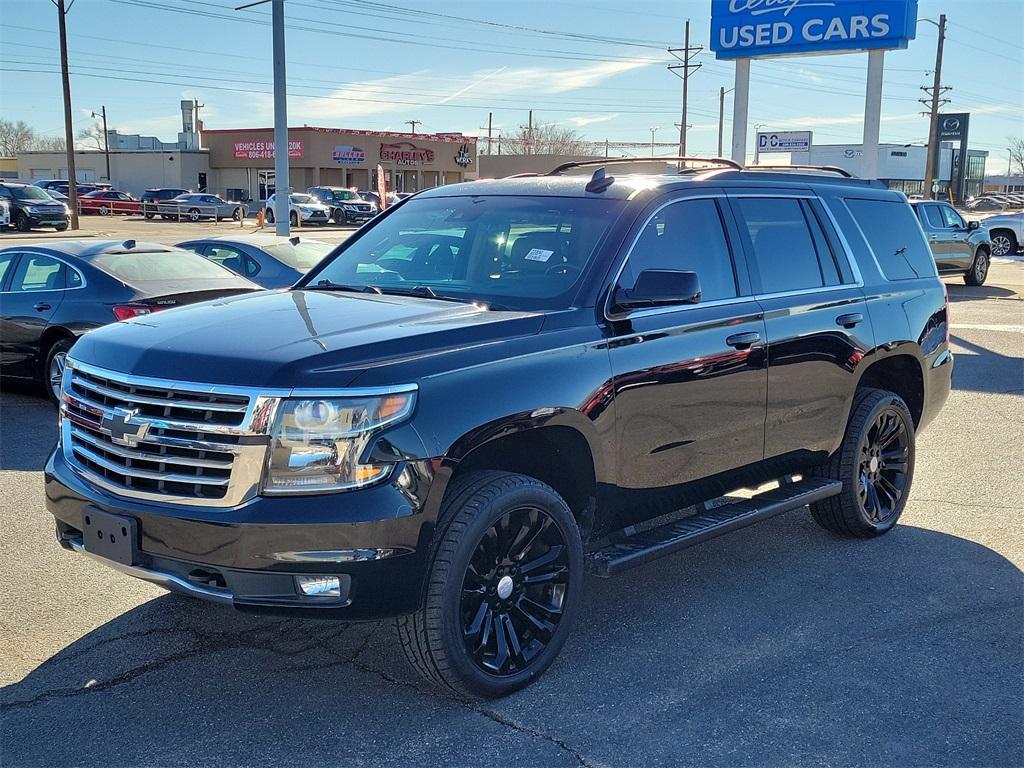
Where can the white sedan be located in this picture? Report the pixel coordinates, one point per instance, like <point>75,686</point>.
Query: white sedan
<point>304,208</point>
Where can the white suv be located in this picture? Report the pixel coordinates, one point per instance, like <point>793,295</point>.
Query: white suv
<point>304,208</point>
<point>1006,231</point>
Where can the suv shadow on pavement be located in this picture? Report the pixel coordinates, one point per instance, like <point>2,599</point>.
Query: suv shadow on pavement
<point>761,653</point>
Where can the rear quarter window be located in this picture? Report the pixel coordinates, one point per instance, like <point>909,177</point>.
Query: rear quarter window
<point>894,235</point>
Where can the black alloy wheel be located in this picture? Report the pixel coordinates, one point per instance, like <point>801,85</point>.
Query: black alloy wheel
<point>503,588</point>
<point>21,222</point>
<point>514,591</point>
<point>875,463</point>
<point>882,476</point>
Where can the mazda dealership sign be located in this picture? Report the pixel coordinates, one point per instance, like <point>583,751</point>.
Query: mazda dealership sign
<point>753,28</point>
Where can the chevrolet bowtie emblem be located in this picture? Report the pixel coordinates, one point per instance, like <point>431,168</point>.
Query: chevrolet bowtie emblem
<point>118,425</point>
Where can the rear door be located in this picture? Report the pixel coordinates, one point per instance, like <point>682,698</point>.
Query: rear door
<point>815,316</point>
<point>34,291</point>
<point>689,381</point>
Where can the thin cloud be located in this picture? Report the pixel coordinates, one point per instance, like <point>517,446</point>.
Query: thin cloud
<point>581,121</point>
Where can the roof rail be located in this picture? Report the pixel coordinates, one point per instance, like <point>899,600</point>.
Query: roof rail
<point>827,168</point>
<point>619,160</point>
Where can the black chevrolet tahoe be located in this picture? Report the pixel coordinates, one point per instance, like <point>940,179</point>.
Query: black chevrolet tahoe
<point>498,386</point>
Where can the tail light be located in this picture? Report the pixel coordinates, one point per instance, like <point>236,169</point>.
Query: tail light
<point>128,311</point>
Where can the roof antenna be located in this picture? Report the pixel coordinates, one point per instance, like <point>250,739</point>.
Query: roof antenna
<point>599,182</point>
<point>294,240</point>
<point>128,244</point>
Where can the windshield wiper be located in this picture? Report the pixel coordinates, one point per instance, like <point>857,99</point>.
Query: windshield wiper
<point>422,290</point>
<point>330,285</point>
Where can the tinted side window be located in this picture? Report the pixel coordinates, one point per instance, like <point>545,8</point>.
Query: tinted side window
<point>689,236</point>
<point>6,260</point>
<point>951,217</point>
<point>785,257</point>
<point>38,273</point>
<point>894,236</point>
<point>230,258</point>
<point>932,217</point>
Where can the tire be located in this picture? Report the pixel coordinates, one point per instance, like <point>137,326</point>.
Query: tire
<point>1004,243</point>
<point>21,222</point>
<point>477,509</point>
<point>103,211</point>
<point>859,510</point>
<point>978,272</point>
<point>293,219</point>
<point>149,215</point>
<point>194,214</point>
<point>54,367</point>
<point>61,227</point>
<point>270,216</point>
<point>237,214</point>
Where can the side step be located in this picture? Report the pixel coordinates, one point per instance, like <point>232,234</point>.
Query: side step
<point>640,548</point>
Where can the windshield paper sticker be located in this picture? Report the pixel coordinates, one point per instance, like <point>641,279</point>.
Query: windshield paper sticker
<point>537,254</point>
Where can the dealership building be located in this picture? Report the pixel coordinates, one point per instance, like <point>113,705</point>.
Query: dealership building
<point>242,160</point>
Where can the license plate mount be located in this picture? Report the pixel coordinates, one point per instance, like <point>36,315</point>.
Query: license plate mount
<point>114,537</point>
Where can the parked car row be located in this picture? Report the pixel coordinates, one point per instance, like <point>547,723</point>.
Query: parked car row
<point>995,201</point>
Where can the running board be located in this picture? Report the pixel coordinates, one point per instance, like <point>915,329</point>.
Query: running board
<point>640,548</point>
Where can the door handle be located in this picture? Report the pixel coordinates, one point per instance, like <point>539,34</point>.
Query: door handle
<point>42,306</point>
<point>850,320</point>
<point>743,340</point>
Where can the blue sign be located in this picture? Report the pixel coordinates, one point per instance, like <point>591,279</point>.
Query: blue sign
<point>750,28</point>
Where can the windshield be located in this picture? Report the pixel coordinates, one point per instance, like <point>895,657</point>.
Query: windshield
<point>302,257</point>
<point>160,265</point>
<point>304,199</point>
<point>515,252</point>
<point>30,193</point>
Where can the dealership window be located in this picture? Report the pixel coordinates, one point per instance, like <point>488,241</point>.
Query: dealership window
<point>41,173</point>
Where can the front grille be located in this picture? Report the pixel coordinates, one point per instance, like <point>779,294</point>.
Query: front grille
<point>151,439</point>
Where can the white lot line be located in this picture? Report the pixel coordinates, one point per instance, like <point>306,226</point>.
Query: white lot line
<point>987,327</point>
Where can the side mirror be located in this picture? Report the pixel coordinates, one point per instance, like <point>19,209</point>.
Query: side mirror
<point>659,288</point>
<point>972,225</point>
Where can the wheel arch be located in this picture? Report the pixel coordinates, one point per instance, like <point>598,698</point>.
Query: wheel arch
<point>901,373</point>
<point>555,446</point>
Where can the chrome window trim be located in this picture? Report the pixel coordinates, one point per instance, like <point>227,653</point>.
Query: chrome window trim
<point>49,256</point>
<point>654,311</point>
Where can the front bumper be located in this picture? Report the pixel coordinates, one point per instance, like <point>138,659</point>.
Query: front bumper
<point>315,217</point>
<point>47,219</point>
<point>375,540</point>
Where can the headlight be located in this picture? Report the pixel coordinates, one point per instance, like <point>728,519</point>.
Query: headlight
<point>317,444</point>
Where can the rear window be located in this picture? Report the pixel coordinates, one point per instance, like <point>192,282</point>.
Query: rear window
<point>160,265</point>
<point>302,257</point>
<point>894,235</point>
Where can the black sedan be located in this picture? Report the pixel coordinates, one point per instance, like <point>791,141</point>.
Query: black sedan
<point>268,260</point>
<point>54,292</point>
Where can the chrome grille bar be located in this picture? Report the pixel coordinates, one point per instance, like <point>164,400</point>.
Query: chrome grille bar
<point>157,458</point>
<point>131,472</point>
<point>192,405</point>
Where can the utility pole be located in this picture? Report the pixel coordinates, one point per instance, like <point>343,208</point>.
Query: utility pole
<point>69,137</point>
<point>933,103</point>
<point>490,126</point>
<point>721,116</point>
<point>529,134</point>
<point>688,52</point>
<point>106,137</point>
<point>413,123</point>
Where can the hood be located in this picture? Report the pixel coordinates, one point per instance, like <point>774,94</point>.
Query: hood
<point>294,338</point>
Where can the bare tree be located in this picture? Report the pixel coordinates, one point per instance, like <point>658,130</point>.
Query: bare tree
<point>546,139</point>
<point>19,136</point>
<point>15,137</point>
<point>1016,150</point>
<point>91,137</point>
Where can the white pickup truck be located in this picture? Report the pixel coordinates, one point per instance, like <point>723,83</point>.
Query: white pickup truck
<point>1006,231</point>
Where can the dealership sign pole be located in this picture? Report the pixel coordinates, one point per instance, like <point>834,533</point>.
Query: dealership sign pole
<point>742,30</point>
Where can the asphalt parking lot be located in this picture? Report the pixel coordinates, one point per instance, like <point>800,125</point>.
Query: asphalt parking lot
<point>776,645</point>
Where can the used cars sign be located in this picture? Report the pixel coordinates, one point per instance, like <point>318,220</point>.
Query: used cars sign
<point>762,28</point>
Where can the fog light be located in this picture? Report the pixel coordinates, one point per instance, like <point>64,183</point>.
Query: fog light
<point>321,586</point>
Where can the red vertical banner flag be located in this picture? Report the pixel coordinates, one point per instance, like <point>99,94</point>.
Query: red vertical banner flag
<point>382,187</point>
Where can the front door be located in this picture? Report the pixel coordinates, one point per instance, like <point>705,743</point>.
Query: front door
<point>690,381</point>
<point>30,300</point>
<point>816,318</point>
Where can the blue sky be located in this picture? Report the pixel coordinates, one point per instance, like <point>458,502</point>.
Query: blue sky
<point>374,65</point>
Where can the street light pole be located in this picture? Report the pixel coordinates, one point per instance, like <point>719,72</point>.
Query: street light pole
<point>654,130</point>
<point>106,138</point>
<point>721,116</point>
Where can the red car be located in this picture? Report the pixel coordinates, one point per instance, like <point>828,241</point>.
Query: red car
<point>108,201</point>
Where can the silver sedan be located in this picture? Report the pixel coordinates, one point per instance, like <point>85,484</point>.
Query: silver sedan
<point>199,205</point>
